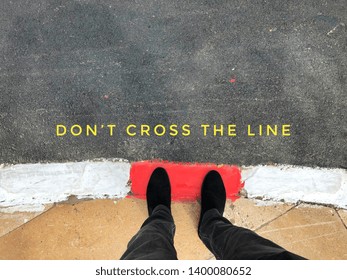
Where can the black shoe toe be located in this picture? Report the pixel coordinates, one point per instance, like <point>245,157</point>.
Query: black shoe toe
<point>158,190</point>
<point>213,193</point>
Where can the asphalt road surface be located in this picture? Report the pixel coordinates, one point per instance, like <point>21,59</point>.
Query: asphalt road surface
<point>242,63</point>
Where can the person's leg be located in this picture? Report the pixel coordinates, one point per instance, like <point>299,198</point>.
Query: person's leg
<point>154,241</point>
<point>230,242</point>
<point>225,240</point>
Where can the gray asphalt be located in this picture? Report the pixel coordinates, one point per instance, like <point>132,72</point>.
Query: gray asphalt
<point>174,62</point>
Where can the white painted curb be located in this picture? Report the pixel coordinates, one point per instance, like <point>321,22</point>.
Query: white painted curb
<point>28,187</point>
<point>295,183</point>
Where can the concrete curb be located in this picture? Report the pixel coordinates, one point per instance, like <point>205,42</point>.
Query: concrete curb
<point>28,187</point>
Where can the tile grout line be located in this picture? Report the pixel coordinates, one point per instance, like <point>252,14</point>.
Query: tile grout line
<point>39,215</point>
<point>274,219</point>
<point>338,214</point>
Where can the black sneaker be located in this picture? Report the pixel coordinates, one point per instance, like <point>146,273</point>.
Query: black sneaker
<point>158,190</point>
<point>213,193</point>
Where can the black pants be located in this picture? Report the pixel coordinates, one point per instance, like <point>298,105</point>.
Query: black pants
<point>154,241</point>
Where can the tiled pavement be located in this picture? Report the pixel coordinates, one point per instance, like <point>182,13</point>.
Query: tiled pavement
<point>101,229</point>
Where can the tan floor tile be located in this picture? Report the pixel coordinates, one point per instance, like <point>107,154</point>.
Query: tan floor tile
<point>343,215</point>
<point>98,229</point>
<point>11,221</point>
<point>101,229</point>
<point>187,241</point>
<point>245,213</point>
<point>87,230</point>
<point>313,232</point>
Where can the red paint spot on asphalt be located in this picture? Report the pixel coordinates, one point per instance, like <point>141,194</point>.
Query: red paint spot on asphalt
<point>185,178</point>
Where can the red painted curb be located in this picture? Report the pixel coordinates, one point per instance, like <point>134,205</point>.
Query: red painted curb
<point>185,178</point>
